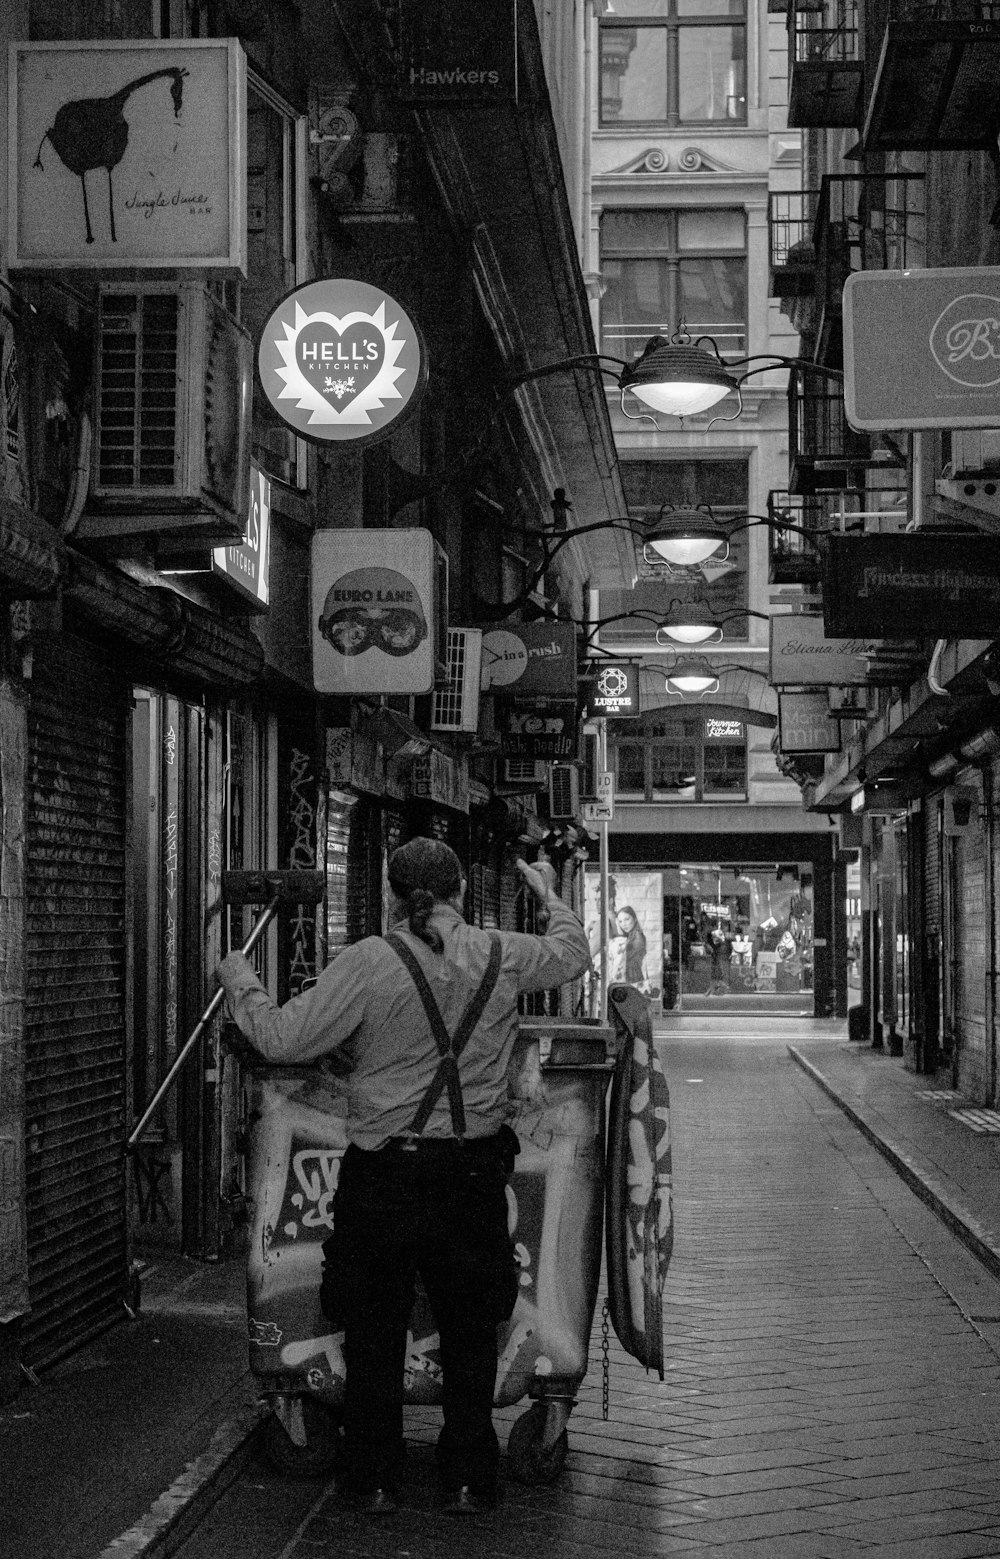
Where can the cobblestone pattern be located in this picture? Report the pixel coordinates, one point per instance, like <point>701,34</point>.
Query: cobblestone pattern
<point>826,1394</point>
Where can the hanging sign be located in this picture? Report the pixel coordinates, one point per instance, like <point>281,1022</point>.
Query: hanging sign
<point>544,733</point>
<point>949,584</point>
<point>128,153</point>
<point>802,655</point>
<point>373,611</point>
<point>463,55</point>
<point>922,348</point>
<point>805,723</point>
<point>615,690</point>
<point>246,565</point>
<point>530,661</point>
<point>341,360</point>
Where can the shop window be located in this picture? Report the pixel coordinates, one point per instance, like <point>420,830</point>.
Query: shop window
<point>666,270</point>
<point>676,62</point>
<point>680,757</point>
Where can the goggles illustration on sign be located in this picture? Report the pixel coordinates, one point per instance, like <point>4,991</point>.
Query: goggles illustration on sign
<point>373,608</point>
<point>965,340</point>
<point>339,359</point>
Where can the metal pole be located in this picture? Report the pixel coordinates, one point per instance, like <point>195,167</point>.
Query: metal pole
<point>199,1029</point>
<point>602,748</point>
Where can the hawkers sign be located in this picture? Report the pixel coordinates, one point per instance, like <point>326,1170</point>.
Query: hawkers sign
<point>340,359</point>
<point>922,348</point>
<point>463,55</point>
<point>128,154</point>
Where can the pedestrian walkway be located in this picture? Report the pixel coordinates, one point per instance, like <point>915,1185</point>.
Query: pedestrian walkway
<point>827,1392</point>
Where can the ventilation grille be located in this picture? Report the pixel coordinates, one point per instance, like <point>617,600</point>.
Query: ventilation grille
<point>138,403</point>
<point>524,771</point>
<point>564,790</point>
<point>456,700</point>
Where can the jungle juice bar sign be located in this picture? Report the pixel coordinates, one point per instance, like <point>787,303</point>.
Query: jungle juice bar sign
<point>128,153</point>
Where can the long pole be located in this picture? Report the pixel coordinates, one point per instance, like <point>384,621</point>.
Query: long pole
<point>602,748</point>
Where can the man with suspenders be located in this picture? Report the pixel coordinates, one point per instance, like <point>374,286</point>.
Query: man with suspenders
<point>426,1018</point>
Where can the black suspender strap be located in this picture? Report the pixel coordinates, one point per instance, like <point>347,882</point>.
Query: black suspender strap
<point>449,1048</point>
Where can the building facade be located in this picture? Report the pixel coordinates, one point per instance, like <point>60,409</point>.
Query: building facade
<point>163,717</point>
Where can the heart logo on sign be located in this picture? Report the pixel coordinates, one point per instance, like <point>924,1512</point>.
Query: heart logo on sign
<point>339,365</point>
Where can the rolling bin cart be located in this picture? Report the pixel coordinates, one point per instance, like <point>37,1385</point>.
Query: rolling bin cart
<point>559,1076</point>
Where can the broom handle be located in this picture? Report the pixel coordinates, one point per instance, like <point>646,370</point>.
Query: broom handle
<point>199,1029</point>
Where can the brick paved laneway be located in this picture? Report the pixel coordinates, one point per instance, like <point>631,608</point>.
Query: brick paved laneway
<point>833,1386</point>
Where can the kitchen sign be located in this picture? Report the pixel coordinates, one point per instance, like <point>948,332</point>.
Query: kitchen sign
<point>340,360</point>
<point>805,723</point>
<point>530,661</point>
<point>246,565</point>
<point>127,154</point>
<point>373,611</point>
<point>802,655</point>
<point>922,348</point>
<point>949,584</point>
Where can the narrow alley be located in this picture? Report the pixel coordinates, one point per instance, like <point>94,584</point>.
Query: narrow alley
<point>832,1383</point>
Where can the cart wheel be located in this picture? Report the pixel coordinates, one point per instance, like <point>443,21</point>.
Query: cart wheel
<point>322,1445</point>
<point>527,1460</point>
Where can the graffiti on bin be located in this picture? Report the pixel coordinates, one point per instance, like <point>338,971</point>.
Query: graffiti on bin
<point>309,1196</point>
<point>264,1334</point>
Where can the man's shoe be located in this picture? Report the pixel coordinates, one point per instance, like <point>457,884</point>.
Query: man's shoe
<point>469,1501</point>
<point>376,1502</point>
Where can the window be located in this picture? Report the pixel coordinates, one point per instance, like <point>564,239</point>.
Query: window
<point>680,757</point>
<point>666,270</point>
<point>677,62</point>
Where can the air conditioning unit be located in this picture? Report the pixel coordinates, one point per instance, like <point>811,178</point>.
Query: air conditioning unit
<point>970,452</point>
<point>564,790</point>
<point>527,773</point>
<point>591,766</point>
<point>455,704</point>
<point>172,416</point>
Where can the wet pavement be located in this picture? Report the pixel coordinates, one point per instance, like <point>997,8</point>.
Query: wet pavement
<point>833,1359</point>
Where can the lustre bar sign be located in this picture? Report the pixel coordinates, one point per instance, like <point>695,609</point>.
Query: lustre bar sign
<point>922,348</point>
<point>949,585</point>
<point>128,154</point>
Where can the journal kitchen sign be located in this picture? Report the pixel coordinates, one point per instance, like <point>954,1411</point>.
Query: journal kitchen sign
<point>341,360</point>
<point>128,154</point>
<point>922,348</point>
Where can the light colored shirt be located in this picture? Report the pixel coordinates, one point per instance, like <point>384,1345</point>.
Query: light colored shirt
<point>365,1006</point>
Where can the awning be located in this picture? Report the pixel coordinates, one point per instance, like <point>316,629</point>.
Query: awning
<point>30,552</point>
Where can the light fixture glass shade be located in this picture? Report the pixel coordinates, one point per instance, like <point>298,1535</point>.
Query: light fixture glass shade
<point>679,380</point>
<point>691,677</point>
<point>684,551</point>
<point>688,633</point>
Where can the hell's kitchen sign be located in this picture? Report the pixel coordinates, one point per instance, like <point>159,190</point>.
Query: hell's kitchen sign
<point>530,661</point>
<point>127,153</point>
<point>246,564</point>
<point>373,611</point>
<point>922,348</point>
<point>949,584</point>
<point>341,360</point>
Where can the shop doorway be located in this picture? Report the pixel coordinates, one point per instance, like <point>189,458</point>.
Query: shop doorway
<point>739,937</point>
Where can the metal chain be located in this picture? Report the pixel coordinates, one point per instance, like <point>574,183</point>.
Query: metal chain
<point>605,1352</point>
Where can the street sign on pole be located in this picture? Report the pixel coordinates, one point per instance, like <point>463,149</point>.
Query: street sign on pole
<point>598,811</point>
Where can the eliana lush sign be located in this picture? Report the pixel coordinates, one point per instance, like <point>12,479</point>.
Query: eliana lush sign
<point>340,359</point>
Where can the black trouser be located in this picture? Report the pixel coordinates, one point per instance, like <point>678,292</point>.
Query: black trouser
<point>440,1210</point>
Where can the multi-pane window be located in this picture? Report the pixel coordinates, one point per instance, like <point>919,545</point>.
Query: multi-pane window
<point>668,270</point>
<point>690,756</point>
<point>676,62</point>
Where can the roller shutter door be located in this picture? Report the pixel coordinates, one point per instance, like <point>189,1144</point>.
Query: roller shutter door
<point>75,998</point>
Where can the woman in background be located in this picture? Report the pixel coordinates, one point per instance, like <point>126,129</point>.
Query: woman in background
<point>629,948</point>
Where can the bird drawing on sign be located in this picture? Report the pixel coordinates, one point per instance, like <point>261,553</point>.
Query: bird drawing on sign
<point>92,132</point>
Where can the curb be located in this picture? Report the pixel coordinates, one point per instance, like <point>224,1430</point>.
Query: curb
<point>982,1242</point>
<point>176,1512</point>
